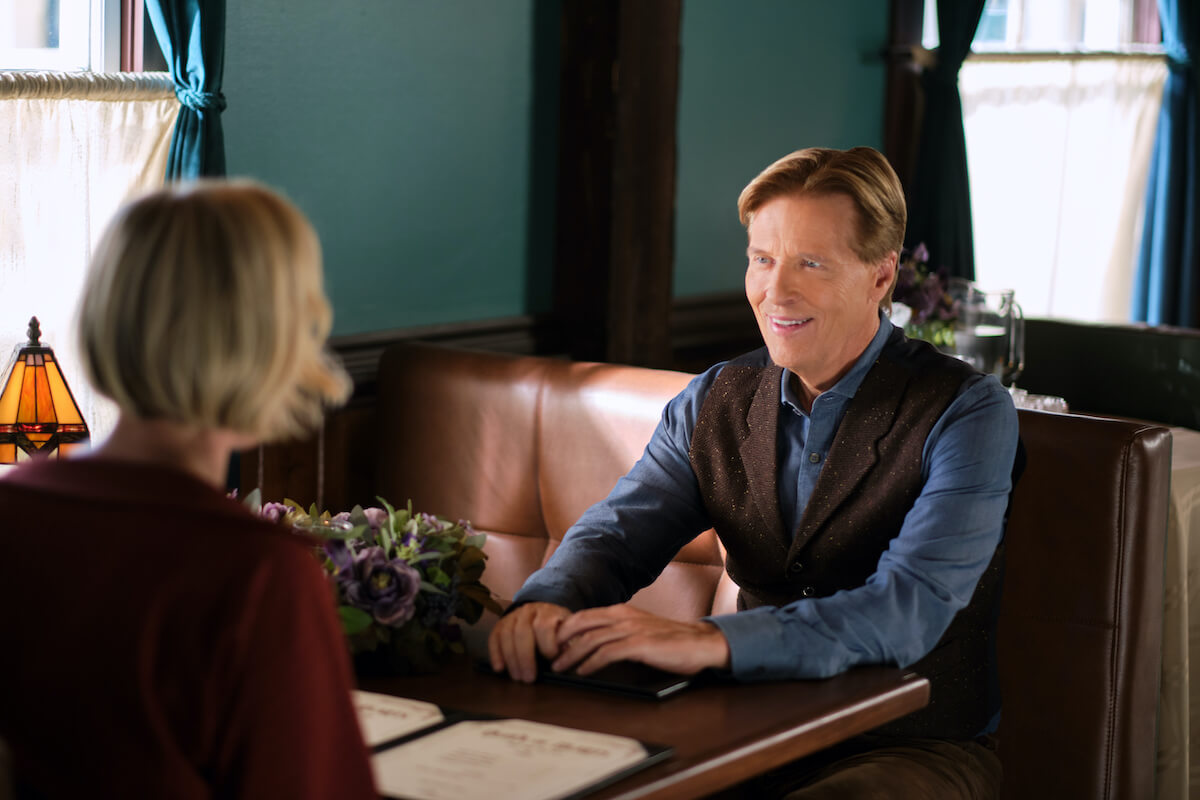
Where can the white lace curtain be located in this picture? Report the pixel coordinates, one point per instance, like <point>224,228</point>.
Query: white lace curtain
<point>1058,148</point>
<point>73,148</point>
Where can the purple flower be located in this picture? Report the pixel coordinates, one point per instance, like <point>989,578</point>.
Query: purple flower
<point>376,517</point>
<point>387,590</point>
<point>433,523</point>
<point>342,557</point>
<point>921,253</point>
<point>273,512</point>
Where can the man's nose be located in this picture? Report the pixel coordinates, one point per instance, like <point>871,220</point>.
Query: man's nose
<point>783,286</point>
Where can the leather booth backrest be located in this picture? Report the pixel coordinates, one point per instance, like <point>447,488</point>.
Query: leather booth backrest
<point>521,447</point>
<point>1081,616</point>
<point>460,434</point>
<point>594,422</point>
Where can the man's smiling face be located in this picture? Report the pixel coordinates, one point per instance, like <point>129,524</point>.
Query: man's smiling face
<point>815,301</point>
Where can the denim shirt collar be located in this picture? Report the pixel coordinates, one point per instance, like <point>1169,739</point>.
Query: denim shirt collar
<point>848,385</point>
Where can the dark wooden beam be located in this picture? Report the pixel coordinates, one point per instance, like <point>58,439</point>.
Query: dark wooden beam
<point>616,187</point>
<point>904,100</point>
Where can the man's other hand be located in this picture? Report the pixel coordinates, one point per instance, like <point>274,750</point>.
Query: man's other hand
<point>519,637</point>
<point>591,639</point>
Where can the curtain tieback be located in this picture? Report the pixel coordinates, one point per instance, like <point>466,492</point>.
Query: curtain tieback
<point>201,101</point>
<point>1179,61</point>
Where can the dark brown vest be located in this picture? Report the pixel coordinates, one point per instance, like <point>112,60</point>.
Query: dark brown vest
<point>871,478</point>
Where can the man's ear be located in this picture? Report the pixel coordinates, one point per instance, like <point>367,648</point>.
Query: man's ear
<point>885,273</point>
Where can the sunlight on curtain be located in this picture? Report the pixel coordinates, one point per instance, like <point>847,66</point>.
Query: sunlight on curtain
<point>1058,149</point>
<point>73,148</point>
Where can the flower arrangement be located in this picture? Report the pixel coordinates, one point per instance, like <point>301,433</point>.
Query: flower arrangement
<point>403,580</point>
<point>921,302</point>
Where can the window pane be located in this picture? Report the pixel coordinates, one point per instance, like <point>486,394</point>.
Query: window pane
<point>47,34</point>
<point>1057,25</point>
<point>929,29</point>
<point>1057,150</point>
<point>29,23</point>
<point>993,25</point>
<point>1104,26</point>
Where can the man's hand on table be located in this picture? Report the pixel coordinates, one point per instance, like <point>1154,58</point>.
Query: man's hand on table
<point>597,637</point>
<point>591,639</point>
<point>519,637</point>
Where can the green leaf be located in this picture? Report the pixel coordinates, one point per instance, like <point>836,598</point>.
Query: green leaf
<point>326,532</point>
<point>354,620</point>
<point>476,540</point>
<point>470,557</point>
<point>386,533</point>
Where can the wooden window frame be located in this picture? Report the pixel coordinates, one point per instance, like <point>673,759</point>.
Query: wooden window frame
<point>133,39</point>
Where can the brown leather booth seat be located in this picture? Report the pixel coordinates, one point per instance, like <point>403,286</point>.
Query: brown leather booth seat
<point>1081,618</point>
<point>521,446</point>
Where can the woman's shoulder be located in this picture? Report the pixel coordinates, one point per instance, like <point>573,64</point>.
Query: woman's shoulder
<point>132,506</point>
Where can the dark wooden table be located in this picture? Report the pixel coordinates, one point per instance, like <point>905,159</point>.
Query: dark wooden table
<point>721,734</point>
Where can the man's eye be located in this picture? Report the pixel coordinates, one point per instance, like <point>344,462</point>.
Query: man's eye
<point>760,260</point>
<point>810,264</point>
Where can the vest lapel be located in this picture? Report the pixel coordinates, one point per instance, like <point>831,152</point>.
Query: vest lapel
<point>855,451</point>
<point>760,454</point>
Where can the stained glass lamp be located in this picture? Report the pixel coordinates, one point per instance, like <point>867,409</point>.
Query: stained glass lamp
<point>38,414</point>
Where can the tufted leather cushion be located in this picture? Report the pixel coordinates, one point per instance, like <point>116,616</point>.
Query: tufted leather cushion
<point>525,446</point>
<point>459,439</point>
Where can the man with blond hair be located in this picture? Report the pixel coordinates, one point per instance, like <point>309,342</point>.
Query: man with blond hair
<point>857,479</point>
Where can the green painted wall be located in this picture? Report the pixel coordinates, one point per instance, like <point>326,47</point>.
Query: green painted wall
<point>759,79</point>
<point>404,128</point>
<point>419,136</point>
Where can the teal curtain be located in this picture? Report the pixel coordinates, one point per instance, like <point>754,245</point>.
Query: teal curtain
<point>939,211</point>
<point>1166,284</point>
<point>191,34</point>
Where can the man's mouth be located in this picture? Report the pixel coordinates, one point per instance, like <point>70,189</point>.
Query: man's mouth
<point>788,323</point>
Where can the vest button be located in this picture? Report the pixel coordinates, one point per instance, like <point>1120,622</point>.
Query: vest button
<point>796,568</point>
<point>814,457</point>
<point>807,591</point>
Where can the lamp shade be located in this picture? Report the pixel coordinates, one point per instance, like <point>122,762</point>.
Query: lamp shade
<point>38,414</point>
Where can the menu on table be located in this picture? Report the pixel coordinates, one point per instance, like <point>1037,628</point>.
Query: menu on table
<point>506,759</point>
<point>384,717</point>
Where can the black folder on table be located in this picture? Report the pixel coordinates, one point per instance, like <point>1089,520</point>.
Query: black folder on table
<point>629,678</point>
<point>623,677</point>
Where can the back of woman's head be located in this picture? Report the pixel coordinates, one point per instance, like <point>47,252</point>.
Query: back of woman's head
<point>204,305</point>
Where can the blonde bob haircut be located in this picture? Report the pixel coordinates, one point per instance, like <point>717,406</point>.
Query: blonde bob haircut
<point>204,306</point>
<point>860,173</point>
